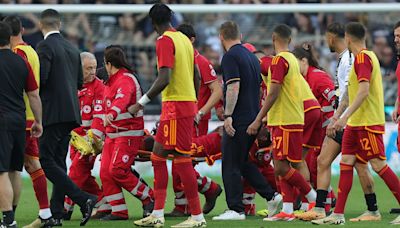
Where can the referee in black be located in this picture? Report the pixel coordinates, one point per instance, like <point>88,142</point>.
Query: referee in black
<point>60,78</point>
<point>241,74</point>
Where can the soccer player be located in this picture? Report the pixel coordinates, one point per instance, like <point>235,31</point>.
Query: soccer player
<point>241,73</point>
<point>210,94</point>
<point>364,121</point>
<point>17,77</point>
<point>179,82</point>
<point>31,160</point>
<point>91,98</point>
<point>396,111</point>
<point>333,140</point>
<point>284,105</point>
<point>124,134</point>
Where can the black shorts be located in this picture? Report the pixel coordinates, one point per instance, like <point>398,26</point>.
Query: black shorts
<point>12,149</point>
<point>339,137</point>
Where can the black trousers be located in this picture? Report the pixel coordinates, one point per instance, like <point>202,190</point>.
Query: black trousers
<point>53,153</point>
<point>235,165</point>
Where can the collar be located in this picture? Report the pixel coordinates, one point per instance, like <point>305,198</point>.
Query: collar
<point>344,51</point>
<point>50,33</point>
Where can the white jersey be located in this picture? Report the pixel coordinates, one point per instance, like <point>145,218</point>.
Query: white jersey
<point>343,68</point>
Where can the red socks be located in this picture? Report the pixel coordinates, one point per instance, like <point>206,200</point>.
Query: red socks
<point>186,172</point>
<point>287,191</point>
<point>391,180</point>
<point>40,187</point>
<point>295,179</point>
<point>160,181</point>
<point>345,184</point>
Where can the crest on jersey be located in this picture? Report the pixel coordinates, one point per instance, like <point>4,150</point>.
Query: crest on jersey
<point>86,109</point>
<point>125,158</point>
<point>119,94</point>
<point>98,108</point>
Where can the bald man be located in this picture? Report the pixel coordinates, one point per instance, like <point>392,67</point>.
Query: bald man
<point>91,104</point>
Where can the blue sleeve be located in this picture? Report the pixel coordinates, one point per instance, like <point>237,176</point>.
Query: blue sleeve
<point>230,68</point>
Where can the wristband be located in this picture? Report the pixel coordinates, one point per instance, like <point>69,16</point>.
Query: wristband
<point>227,116</point>
<point>144,100</point>
<point>201,113</point>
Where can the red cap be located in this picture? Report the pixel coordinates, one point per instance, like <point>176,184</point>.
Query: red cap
<point>249,47</point>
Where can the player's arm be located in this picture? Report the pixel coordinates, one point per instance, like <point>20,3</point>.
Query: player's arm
<point>209,78</point>
<point>395,114</point>
<point>32,91</point>
<point>45,57</point>
<point>279,69</point>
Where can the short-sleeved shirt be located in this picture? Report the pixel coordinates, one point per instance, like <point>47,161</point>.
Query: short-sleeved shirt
<point>239,64</point>
<point>16,76</point>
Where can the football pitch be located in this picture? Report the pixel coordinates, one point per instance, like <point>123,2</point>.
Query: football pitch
<point>28,209</point>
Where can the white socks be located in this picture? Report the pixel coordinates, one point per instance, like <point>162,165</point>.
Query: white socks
<point>45,213</point>
<point>287,208</point>
<point>198,217</point>
<point>158,213</point>
<point>311,196</point>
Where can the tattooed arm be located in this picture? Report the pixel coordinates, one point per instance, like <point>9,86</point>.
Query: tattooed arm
<point>232,94</point>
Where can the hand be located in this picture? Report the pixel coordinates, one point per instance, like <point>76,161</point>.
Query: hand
<point>134,109</point>
<point>340,124</point>
<point>330,131</point>
<point>36,129</point>
<point>107,119</point>
<point>198,117</point>
<point>228,125</point>
<point>395,116</point>
<point>220,113</point>
<point>253,127</point>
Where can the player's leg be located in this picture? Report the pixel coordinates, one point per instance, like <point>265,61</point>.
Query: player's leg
<point>329,151</point>
<point>249,195</point>
<point>350,148</point>
<point>6,198</point>
<point>111,190</point>
<point>209,189</point>
<point>120,171</point>
<point>181,206</point>
<point>367,184</point>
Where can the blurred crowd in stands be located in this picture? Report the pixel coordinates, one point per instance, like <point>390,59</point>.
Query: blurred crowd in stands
<point>93,32</point>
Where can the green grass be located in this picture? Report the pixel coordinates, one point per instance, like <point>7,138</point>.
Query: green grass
<point>28,209</point>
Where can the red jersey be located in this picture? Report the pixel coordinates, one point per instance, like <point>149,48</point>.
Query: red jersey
<point>260,156</point>
<point>323,89</point>
<point>208,75</point>
<point>123,90</point>
<point>208,146</point>
<point>91,100</point>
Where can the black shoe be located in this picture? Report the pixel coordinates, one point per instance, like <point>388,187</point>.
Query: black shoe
<point>148,208</point>
<point>87,210</point>
<point>395,211</point>
<point>210,201</point>
<point>12,225</point>
<point>57,222</point>
<point>111,217</point>
<point>67,215</point>
<point>47,223</point>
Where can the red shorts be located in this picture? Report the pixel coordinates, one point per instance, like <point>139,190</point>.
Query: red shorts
<point>364,144</point>
<point>176,134</point>
<point>313,134</point>
<point>287,142</point>
<point>201,129</point>
<point>31,146</point>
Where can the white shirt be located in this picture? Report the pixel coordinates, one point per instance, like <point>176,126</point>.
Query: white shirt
<point>51,32</point>
<point>343,68</point>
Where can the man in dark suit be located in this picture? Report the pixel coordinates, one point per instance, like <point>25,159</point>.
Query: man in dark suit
<point>60,79</point>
